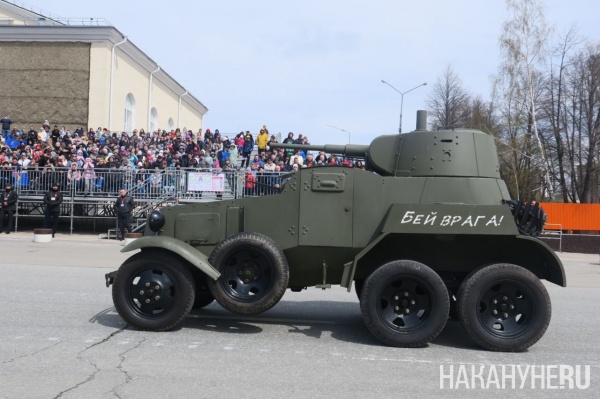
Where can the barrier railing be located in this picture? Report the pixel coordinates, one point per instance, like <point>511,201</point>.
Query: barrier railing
<point>184,184</point>
<point>91,194</point>
<point>47,18</point>
<point>548,233</point>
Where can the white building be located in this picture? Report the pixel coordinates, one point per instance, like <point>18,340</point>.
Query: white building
<point>85,73</point>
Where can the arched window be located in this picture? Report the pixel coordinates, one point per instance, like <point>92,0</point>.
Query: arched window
<point>153,119</point>
<point>129,113</point>
<point>171,124</point>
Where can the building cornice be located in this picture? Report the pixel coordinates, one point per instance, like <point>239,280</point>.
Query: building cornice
<point>24,14</point>
<point>97,34</point>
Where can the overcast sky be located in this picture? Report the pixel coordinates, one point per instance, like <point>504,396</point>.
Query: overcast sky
<point>303,65</point>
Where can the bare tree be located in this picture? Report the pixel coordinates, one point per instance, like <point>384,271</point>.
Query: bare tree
<point>480,116</point>
<point>519,163</point>
<point>523,42</point>
<point>554,109</point>
<point>449,102</point>
<point>582,121</point>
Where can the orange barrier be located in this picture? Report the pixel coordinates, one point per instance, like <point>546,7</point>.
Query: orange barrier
<point>572,216</point>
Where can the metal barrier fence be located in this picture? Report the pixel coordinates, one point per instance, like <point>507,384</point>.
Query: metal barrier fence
<point>91,194</point>
<point>182,184</point>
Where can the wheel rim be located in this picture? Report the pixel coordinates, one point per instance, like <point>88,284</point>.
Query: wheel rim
<point>405,304</point>
<point>249,274</point>
<point>506,309</point>
<point>152,292</point>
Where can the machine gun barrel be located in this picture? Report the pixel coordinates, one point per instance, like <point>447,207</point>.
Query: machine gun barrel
<point>351,150</point>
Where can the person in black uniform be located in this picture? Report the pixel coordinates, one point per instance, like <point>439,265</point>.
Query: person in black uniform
<point>52,199</point>
<point>124,206</point>
<point>8,205</point>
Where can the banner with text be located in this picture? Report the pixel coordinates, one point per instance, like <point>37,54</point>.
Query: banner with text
<point>198,181</point>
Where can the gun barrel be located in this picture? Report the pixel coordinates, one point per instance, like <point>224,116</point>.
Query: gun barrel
<point>351,150</point>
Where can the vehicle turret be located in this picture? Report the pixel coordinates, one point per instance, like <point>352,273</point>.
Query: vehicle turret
<point>422,153</point>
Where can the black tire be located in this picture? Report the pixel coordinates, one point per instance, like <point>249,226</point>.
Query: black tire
<point>530,219</point>
<point>254,273</point>
<point>519,299</point>
<point>401,286</point>
<point>145,277</point>
<point>203,296</point>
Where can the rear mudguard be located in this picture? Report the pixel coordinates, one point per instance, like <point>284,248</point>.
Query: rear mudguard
<point>555,272</point>
<point>534,255</point>
<point>178,247</point>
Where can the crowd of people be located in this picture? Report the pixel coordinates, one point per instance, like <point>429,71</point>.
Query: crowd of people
<point>78,157</point>
<point>57,159</point>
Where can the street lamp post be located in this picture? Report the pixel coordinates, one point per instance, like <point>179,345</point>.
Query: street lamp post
<point>340,129</point>
<point>402,99</point>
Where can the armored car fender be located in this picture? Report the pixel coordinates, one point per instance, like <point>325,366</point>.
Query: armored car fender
<point>176,247</point>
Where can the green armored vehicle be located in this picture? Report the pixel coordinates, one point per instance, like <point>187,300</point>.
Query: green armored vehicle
<point>427,231</point>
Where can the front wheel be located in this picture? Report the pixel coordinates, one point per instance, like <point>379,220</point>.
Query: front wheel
<point>254,273</point>
<point>404,303</point>
<point>153,291</point>
<point>504,307</point>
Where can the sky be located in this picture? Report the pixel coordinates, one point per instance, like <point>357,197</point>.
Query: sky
<point>307,65</point>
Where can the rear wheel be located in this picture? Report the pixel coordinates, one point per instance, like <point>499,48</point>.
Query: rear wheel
<point>254,273</point>
<point>153,291</point>
<point>504,307</point>
<point>404,303</point>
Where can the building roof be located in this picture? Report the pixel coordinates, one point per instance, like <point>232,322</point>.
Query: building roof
<point>37,27</point>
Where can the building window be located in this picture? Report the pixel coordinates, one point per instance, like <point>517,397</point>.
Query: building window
<point>153,119</point>
<point>129,113</point>
<point>171,124</point>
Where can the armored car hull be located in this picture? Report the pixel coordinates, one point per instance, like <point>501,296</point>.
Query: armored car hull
<point>427,232</point>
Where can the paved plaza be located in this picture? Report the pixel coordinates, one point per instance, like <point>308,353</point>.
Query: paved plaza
<point>62,338</point>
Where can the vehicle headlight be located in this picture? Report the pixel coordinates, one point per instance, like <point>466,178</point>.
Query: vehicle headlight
<point>156,221</point>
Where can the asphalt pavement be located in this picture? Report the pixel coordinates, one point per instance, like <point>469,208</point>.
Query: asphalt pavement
<point>60,337</point>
